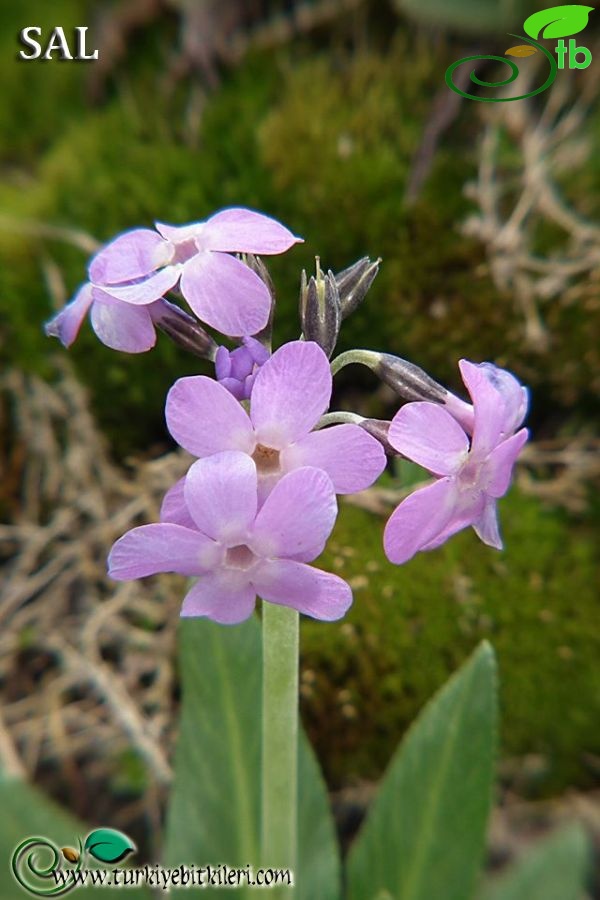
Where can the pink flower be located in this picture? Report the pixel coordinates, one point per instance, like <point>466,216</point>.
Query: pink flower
<point>238,550</point>
<point>141,265</point>
<point>291,391</point>
<point>471,477</point>
<point>119,325</point>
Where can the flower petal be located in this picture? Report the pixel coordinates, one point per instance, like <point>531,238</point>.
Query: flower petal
<point>309,590</point>
<point>204,418</point>
<point>225,293</point>
<point>160,548</point>
<point>217,598</point>
<point>66,324</point>
<point>131,255</point>
<point>147,291</point>
<point>514,395</point>
<point>222,363</point>
<point>178,234</point>
<point>291,392</point>
<point>467,510</point>
<point>499,465</point>
<point>419,520</point>
<point>500,404</point>
<point>120,325</point>
<point>297,516</point>
<point>173,508</point>
<point>239,230</point>
<point>486,526</point>
<point>351,457</point>
<point>428,435</point>
<point>221,494</point>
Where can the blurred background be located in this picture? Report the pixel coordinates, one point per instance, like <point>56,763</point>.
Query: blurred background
<point>333,116</point>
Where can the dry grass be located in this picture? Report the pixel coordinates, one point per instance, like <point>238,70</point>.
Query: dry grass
<point>86,665</point>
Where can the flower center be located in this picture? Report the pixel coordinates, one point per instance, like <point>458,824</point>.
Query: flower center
<point>266,459</point>
<point>470,475</point>
<point>184,250</point>
<point>240,557</point>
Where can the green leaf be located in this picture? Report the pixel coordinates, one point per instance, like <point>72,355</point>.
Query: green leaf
<point>425,834</point>
<point>214,813</point>
<point>108,846</point>
<point>554,870</point>
<point>27,813</point>
<point>318,876</point>
<point>557,22</point>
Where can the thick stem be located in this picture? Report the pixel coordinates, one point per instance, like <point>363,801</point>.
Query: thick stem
<point>279,739</point>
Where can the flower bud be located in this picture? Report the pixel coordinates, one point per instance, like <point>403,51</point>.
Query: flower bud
<point>408,380</point>
<point>237,369</point>
<point>354,282</point>
<point>378,428</point>
<point>183,329</point>
<point>258,267</point>
<point>320,314</point>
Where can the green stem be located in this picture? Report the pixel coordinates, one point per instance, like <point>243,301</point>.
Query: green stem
<point>337,418</point>
<point>279,738</point>
<point>363,357</point>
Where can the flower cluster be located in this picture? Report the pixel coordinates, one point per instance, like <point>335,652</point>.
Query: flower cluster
<point>258,504</point>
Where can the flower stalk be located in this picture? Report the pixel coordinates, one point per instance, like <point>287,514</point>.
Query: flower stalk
<point>280,738</point>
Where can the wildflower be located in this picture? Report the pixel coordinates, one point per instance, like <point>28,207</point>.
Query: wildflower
<point>470,477</point>
<point>237,369</point>
<point>122,326</point>
<point>239,551</point>
<point>139,266</point>
<point>291,391</point>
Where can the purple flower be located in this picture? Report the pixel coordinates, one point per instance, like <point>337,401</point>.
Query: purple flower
<point>119,325</point>
<point>122,326</point>
<point>236,369</point>
<point>291,392</point>
<point>141,265</point>
<point>470,477</point>
<point>239,551</point>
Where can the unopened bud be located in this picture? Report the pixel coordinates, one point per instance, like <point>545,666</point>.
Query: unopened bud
<point>237,369</point>
<point>354,282</point>
<point>320,314</point>
<point>258,267</point>
<point>379,428</point>
<point>183,329</point>
<point>408,380</point>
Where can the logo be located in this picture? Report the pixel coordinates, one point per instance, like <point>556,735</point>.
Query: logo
<point>37,863</point>
<point>556,22</point>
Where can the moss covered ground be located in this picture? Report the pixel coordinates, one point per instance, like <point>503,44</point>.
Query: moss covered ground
<point>411,626</point>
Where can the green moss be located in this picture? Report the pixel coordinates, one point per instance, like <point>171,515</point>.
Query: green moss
<point>411,626</point>
<point>117,167</point>
<point>327,144</point>
<point>341,143</point>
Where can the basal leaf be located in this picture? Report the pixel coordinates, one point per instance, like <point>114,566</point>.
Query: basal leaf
<point>214,814</point>
<point>554,870</point>
<point>108,846</point>
<point>558,21</point>
<point>424,836</point>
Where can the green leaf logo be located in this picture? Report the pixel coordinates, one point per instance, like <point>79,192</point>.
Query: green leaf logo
<point>108,846</point>
<point>557,22</point>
